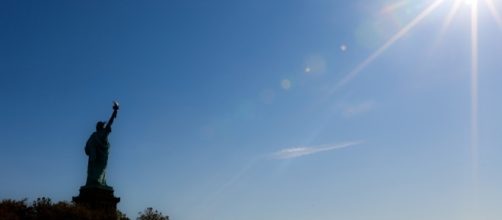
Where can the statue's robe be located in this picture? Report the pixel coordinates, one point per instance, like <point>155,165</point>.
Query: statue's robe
<point>97,149</point>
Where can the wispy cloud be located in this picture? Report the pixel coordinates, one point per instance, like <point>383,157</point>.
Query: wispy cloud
<point>359,108</point>
<point>294,152</point>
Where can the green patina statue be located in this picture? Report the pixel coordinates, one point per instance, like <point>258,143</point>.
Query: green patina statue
<point>97,149</point>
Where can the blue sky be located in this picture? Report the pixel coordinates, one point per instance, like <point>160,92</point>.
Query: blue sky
<point>235,110</point>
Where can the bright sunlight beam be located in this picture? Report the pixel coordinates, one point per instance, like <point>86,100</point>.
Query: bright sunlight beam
<point>474,87</point>
<point>474,109</point>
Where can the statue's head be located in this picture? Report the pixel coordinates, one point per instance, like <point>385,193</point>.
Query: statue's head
<point>100,125</point>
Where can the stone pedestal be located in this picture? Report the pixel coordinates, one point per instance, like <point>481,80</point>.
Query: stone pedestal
<point>97,198</point>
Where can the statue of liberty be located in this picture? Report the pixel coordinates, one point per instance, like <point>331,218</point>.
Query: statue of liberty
<point>97,149</point>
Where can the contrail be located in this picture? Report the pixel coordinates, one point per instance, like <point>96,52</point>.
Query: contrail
<point>290,153</point>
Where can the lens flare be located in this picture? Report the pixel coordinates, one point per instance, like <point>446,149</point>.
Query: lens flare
<point>387,44</point>
<point>286,84</point>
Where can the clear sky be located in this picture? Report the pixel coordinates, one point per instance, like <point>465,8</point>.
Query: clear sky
<point>245,110</point>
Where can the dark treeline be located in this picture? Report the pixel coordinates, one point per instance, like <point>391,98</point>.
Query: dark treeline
<point>44,209</point>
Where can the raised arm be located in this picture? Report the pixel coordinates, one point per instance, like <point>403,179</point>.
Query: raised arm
<point>114,115</point>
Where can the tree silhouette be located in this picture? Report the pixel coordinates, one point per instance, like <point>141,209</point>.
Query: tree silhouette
<point>44,209</point>
<point>151,214</point>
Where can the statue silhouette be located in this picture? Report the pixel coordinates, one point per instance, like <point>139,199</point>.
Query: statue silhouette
<point>97,149</point>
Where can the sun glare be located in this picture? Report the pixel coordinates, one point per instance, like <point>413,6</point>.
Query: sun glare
<point>474,5</point>
<point>454,8</point>
<point>470,2</point>
<point>493,10</point>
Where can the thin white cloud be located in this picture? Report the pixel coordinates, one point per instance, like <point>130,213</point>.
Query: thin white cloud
<point>294,152</point>
<point>359,108</point>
